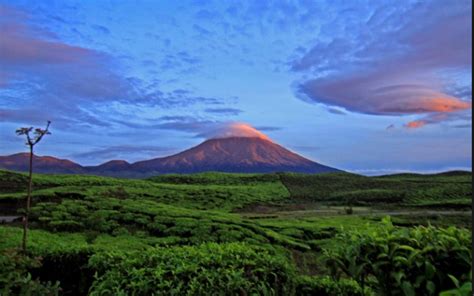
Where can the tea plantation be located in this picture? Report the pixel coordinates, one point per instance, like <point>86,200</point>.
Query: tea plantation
<point>238,234</point>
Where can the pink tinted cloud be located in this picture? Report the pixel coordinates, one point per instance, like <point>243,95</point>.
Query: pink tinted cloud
<point>416,124</point>
<point>232,129</point>
<point>50,72</point>
<point>22,43</point>
<point>19,47</point>
<point>409,78</point>
<point>438,117</point>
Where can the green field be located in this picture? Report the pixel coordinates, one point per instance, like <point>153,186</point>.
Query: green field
<point>238,234</point>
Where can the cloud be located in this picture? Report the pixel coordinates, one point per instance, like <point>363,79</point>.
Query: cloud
<point>181,123</point>
<point>305,148</point>
<point>463,126</point>
<point>180,61</point>
<point>189,126</point>
<point>59,120</point>
<point>101,29</point>
<point>434,118</point>
<point>232,129</point>
<point>75,87</point>
<point>121,151</point>
<point>175,118</point>
<point>336,111</point>
<point>54,80</point>
<point>333,50</point>
<point>203,128</point>
<point>177,98</point>
<point>268,128</point>
<point>416,124</point>
<point>224,111</point>
<point>404,68</point>
<point>201,31</point>
<point>205,15</point>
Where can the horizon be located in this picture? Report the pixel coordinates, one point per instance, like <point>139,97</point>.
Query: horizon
<point>369,173</point>
<point>362,87</point>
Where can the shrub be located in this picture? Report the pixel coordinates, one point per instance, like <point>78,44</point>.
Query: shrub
<point>15,278</point>
<point>217,269</point>
<point>413,261</point>
<point>118,192</point>
<point>325,286</point>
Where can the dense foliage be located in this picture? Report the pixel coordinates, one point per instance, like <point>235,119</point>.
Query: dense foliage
<point>416,261</point>
<point>15,278</point>
<point>326,286</point>
<point>208,269</point>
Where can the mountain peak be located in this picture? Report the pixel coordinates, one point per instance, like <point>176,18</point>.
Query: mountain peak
<point>112,165</point>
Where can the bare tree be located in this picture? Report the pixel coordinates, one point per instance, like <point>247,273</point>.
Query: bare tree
<point>31,141</point>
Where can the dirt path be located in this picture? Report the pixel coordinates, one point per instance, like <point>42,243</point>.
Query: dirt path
<point>8,219</point>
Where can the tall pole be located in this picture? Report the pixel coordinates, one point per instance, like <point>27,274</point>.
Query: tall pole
<point>28,201</point>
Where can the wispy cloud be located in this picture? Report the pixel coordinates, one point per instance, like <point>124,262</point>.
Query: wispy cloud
<point>438,117</point>
<point>224,111</point>
<point>336,111</point>
<point>268,128</point>
<point>123,152</point>
<point>101,29</point>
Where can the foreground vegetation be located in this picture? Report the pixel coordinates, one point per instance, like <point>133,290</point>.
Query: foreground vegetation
<point>239,234</point>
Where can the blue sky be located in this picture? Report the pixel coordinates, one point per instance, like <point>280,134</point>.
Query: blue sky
<point>366,86</point>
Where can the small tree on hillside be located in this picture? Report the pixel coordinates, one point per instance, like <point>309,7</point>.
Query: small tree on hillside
<point>31,141</point>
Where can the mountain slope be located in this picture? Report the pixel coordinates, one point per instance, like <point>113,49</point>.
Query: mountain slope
<point>236,154</point>
<point>41,164</point>
<point>112,165</point>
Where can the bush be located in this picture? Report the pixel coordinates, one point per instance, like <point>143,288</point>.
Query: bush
<point>414,261</point>
<point>325,286</point>
<point>15,278</point>
<point>208,269</point>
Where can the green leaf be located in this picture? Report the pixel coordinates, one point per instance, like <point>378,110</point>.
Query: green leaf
<point>430,270</point>
<point>407,289</point>
<point>398,276</point>
<point>407,248</point>
<point>455,280</point>
<point>431,287</point>
<point>466,289</point>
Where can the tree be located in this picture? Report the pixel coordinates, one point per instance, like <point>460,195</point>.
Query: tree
<point>31,141</point>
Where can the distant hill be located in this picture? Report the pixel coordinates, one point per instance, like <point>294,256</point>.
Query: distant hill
<point>233,154</point>
<point>41,164</point>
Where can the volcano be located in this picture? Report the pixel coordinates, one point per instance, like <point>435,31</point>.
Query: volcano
<point>233,155</point>
<point>237,148</point>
